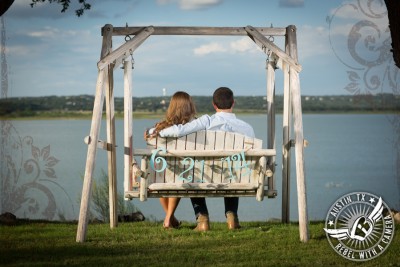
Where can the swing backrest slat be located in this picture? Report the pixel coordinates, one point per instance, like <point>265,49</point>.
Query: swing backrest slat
<point>202,163</point>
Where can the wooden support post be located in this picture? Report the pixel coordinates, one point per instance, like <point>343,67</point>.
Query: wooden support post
<point>261,181</point>
<point>94,136</point>
<point>110,115</point>
<point>90,159</point>
<point>299,151</point>
<point>271,118</point>
<point>299,139</point>
<point>291,50</point>
<point>128,126</point>
<point>111,153</point>
<point>143,179</point>
<point>287,112</point>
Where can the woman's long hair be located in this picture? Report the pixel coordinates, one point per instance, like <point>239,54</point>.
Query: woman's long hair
<point>181,110</point>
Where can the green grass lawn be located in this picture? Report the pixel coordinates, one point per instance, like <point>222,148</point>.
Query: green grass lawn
<point>147,244</point>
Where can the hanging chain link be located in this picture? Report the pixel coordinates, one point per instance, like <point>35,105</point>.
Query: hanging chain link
<point>128,38</point>
<point>269,52</point>
<point>271,38</point>
<point>132,59</point>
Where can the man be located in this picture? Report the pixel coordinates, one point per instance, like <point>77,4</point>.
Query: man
<point>223,120</point>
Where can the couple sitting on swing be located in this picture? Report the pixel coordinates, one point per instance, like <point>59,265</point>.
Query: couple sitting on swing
<point>179,121</point>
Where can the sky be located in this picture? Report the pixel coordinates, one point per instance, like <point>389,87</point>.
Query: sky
<point>343,47</point>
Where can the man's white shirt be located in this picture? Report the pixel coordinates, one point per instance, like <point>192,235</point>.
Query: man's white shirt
<point>220,121</point>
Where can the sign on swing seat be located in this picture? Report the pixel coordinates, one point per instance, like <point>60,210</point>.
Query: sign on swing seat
<point>204,164</point>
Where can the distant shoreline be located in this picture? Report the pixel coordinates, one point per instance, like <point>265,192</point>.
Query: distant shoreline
<point>87,115</point>
<point>81,106</point>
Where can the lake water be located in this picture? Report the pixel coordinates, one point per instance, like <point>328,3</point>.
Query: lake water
<point>43,162</point>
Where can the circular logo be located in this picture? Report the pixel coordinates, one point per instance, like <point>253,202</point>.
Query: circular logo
<point>357,228</point>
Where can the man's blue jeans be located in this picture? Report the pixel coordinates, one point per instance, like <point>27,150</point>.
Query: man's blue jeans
<point>200,206</point>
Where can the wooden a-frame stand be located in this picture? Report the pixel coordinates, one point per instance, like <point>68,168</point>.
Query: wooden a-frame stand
<point>285,59</point>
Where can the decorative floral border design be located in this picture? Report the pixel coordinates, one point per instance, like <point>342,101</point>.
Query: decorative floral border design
<point>368,56</point>
<point>28,178</point>
<point>370,63</point>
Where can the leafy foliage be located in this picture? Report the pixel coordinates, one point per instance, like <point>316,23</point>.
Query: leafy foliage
<point>65,5</point>
<point>100,200</point>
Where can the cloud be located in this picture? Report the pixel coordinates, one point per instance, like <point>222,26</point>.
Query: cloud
<point>47,32</point>
<point>45,35</point>
<point>313,41</point>
<point>209,48</point>
<point>360,10</point>
<point>198,4</point>
<point>291,3</point>
<point>191,4</point>
<point>52,44</point>
<point>127,9</point>
<point>20,50</point>
<point>48,56</point>
<point>242,45</point>
<point>350,16</point>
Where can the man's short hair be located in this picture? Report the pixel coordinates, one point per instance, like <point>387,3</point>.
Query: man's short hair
<point>223,98</point>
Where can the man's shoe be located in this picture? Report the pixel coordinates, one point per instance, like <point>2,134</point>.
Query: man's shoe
<point>203,223</point>
<point>232,221</point>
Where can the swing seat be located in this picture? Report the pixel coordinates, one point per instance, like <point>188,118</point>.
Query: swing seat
<point>204,164</point>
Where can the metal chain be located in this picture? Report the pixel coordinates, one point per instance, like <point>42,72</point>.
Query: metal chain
<point>269,52</point>
<point>132,59</point>
<point>128,38</point>
<point>271,37</point>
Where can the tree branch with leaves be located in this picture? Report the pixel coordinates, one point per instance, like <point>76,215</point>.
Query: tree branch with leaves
<point>65,5</point>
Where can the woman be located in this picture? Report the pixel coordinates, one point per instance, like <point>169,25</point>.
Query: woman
<point>181,110</point>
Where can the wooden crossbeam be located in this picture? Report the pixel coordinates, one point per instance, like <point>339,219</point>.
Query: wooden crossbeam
<point>166,30</point>
<point>266,45</point>
<point>202,186</point>
<point>204,153</point>
<point>121,52</point>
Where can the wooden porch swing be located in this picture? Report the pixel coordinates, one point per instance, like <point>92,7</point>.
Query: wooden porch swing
<point>206,163</point>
